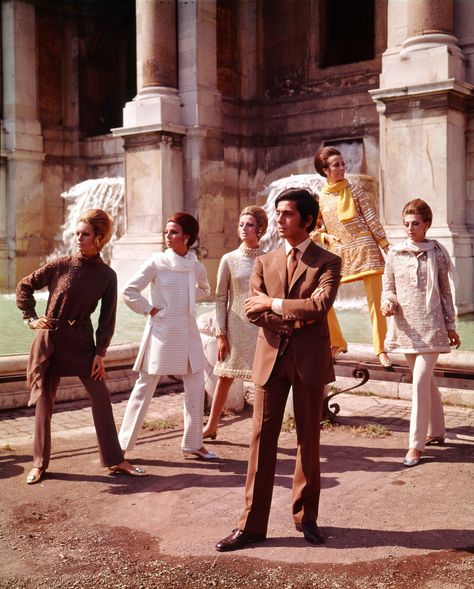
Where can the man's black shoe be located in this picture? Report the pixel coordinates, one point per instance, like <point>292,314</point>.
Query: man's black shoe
<point>239,539</point>
<point>312,533</point>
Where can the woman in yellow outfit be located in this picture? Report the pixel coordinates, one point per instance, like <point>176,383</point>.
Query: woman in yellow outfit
<point>338,341</point>
<point>349,227</point>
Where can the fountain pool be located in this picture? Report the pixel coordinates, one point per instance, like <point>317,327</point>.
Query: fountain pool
<point>15,337</point>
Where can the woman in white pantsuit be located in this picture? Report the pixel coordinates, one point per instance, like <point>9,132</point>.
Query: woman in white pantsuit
<point>417,293</point>
<point>171,343</point>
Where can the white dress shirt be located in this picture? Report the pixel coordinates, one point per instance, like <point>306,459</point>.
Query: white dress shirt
<point>277,304</point>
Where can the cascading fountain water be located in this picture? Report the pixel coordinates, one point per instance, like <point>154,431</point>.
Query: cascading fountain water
<point>101,193</point>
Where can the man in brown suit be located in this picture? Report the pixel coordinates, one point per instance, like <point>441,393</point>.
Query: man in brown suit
<point>291,291</point>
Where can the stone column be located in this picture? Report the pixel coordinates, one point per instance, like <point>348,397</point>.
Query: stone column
<point>156,49</point>
<point>22,205</point>
<point>428,17</point>
<point>157,73</point>
<point>423,103</point>
<point>152,133</point>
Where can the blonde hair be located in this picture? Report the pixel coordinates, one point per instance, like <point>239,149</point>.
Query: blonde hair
<point>101,224</point>
<point>260,217</point>
<point>417,206</point>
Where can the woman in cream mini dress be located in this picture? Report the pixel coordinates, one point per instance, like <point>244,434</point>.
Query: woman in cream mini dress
<point>171,343</point>
<point>236,336</point>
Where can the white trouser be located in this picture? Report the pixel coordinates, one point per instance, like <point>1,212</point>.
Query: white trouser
<point>139,401</point>
<point>427,416</point>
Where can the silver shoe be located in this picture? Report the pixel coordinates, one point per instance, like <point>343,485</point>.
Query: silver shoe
<point>189,453</point>
<point>411,461</point>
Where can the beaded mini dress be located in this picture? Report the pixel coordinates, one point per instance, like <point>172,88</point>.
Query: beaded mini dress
<point>232,289</point>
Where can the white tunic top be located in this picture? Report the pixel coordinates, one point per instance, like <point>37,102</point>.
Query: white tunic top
<point>171,343</point>
<point>415,328</point>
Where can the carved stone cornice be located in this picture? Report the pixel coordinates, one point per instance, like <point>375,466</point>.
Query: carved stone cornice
<point>151,134</point>
<point>449,94</point>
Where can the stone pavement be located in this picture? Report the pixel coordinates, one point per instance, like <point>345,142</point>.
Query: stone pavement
<point>371,506</point>
<point>74,417</point>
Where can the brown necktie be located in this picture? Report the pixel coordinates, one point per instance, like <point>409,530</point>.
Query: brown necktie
<point>292,263</point>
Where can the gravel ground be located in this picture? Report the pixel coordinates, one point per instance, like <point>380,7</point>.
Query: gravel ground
<point>48,551</point>
<point>387,527</point>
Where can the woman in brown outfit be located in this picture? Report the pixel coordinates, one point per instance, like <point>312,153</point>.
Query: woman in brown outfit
<point>64,344</point>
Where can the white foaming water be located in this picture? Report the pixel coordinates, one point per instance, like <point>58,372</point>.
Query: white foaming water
<point>350,304</point>
<point>102,193</point>
<point>312,182</point>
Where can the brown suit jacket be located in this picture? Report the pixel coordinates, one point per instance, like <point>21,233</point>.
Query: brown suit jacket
<point>311,295</point>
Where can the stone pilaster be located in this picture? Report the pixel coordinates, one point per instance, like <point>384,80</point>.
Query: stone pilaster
<point>153,173</point>
<point>22,209</point>
<point>152,133</point>
<point>4,234</point>
<point>202,115</point>
<point>423,103</point>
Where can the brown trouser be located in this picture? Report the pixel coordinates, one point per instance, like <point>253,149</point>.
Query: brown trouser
<point>110,451</point>
<point>268,412</point>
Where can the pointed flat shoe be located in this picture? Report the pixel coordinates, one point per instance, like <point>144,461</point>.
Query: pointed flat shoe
<point>133,471</point>
<point>35,476</point>
<point>384,360</point>
<point>433,440</point>
<point>188,453</point>
<point>411,461</point>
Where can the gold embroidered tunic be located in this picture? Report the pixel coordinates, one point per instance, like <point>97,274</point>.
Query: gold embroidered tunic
<point>232,289</point>
<point>360,239</point>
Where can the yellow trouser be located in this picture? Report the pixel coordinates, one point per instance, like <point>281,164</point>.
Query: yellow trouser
<point>335,333</point>
<point>373,292</point>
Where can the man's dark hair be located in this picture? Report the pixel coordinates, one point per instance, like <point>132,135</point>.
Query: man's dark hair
<point>306,204</point>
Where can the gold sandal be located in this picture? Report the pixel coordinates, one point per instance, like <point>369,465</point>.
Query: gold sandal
<point>35,476</point>
<point>385,360</point>
<point>133,471</point>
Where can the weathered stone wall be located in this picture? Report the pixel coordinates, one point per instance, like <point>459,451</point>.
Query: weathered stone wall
<point>62,62</point>
<point>279,105</point>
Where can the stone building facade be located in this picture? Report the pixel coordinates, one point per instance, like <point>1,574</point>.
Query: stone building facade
<point>222,97</point>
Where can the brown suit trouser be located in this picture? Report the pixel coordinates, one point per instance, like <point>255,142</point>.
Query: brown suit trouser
<point>269,408</point>
<point>110,451</point>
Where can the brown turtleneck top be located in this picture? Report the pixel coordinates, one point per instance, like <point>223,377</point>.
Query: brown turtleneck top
<point>76,284</point>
